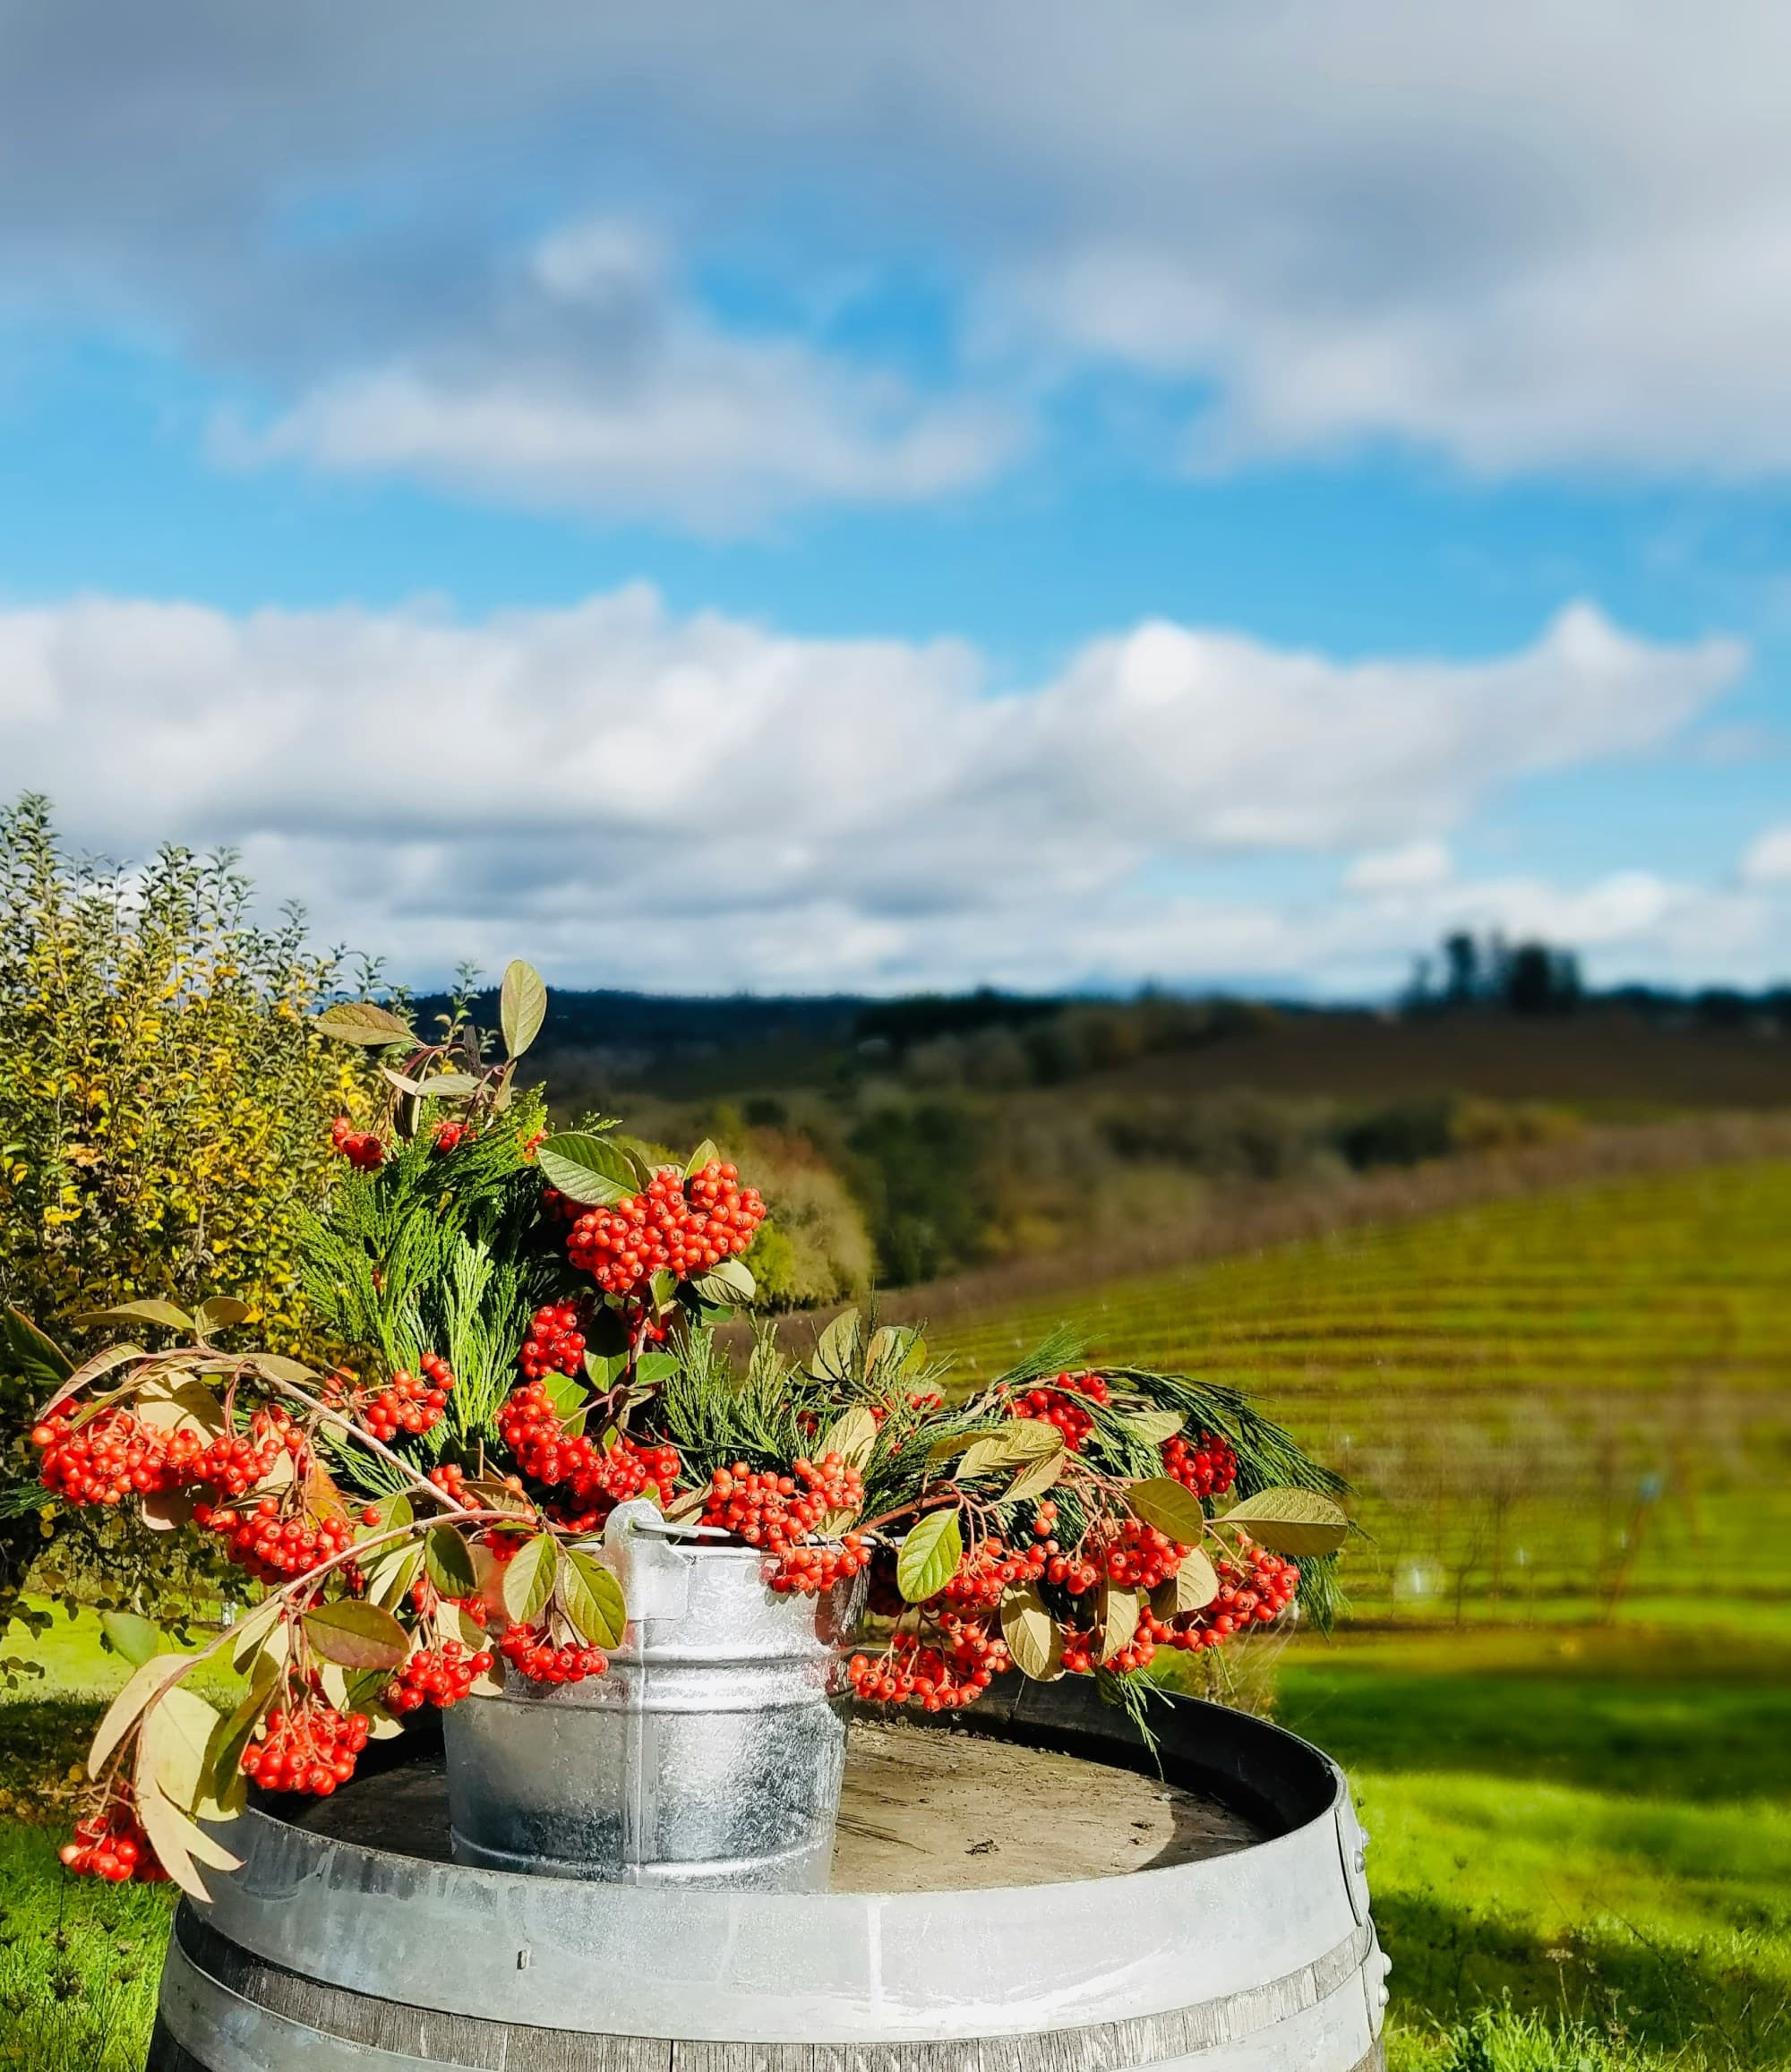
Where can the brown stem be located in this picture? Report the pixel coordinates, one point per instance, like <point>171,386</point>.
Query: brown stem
<point>366,1438</point>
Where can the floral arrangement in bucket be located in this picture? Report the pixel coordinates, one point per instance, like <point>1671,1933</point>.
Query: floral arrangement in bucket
<point>528,1333</point>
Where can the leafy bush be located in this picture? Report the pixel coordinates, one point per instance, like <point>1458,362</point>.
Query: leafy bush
<point>815,1249</point>
<point>164,1097</point>
<point>919,1172</point>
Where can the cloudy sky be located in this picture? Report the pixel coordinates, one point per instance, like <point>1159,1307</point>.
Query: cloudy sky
<point>799,497</point>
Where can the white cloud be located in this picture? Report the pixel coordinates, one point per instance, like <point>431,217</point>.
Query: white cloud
<point>1412,867</point>
<point>1769,861</point>
<point>631,797</point>
<point>601,386</point>
<point>1547,232</point>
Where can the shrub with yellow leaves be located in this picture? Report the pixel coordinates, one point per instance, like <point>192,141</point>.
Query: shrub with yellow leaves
<point>165,1099</point>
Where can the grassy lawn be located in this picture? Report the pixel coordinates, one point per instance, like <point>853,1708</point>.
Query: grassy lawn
<point>79,1959</point>
<point>1600,1834</point>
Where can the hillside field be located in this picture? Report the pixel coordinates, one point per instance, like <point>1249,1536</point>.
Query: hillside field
<point>1575,1407</point>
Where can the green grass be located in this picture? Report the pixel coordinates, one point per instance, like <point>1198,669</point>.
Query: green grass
<point>78,1961</point>
<point>1601,1837</point>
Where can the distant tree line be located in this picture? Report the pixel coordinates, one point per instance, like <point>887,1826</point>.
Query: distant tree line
<point>1468,974</point>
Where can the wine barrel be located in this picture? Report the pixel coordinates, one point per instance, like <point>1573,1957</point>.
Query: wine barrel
<point>1225,1928</point>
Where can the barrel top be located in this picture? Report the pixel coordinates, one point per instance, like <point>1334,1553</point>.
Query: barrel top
<point>845,1966</point>
<point>920,1811</point>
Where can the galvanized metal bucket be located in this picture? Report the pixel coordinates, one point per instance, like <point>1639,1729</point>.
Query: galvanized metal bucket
<point>710,1755</point>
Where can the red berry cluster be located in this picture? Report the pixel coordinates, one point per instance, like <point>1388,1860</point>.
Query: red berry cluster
<point>311,1749</point>
<point>767,1510</point>
<point>808,1571</point>
<point>1209,1467</point>
<point>554,1345</point>
<point>529,1650</point>
<point>684,1226</point>
<point>595,1479</point>
<point>1057,1405</point>
<point>451,1478</point>
<point>117,1455</point>
<point>112,1844</point>
<point>360,1148</point>
<point>271,1546</point>
<point>439,1676</point>
<point>940,1678</point>
<point>1071,1572</point>
<point>448,1135</point>
<point>1081,1651</point>
<point>990,1570</point>
<point>406,1404</point>
<point>1134,1555</point>
<point>1256,1587</point>
<point>110,1457</point>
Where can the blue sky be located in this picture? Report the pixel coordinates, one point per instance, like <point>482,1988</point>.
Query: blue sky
<point>739,497</point>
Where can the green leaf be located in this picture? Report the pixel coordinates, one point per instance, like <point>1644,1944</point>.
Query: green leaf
<point>448,1563</point>
<point>654,1367</point>
<point>393,1512</point>
<point>929,1557</point>
<point>1170,1506</point>
<point>217,1311</point>
<point>896,1345</point>
<point>586,1168</point>
<point>730,1282</point>
<point>1024,1441</point>
<point>1290,1521</point>
<point>529,1579</point>
<point>177,1733</point>
<point>641,1157</point>
<point>1033,1638</point>
<point>361,1022</point>
<point>1036,1478</point>
<point>224,1758</point>
<point>277,1367</point>
<point>25,1351</point>
<point>357,1636</point>
<point>1156,1428</point>
<point>122,1714</point>
<point>251,1631</point>
<point>134,1638</point>
<point>852,1435</point>
<point>567,1393</point>
<point>522,1007</point>
<point>833,1356</point>
<point>700,1157</point>
<point>152,1309</point>
<point>1032,1439</point>
<point>606,1369</point>
<point>1196,1583</point>
<point>448,1087</point>
<point>393,1572</point>
<point>592,1599</point>
<point>1120,1611</point>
